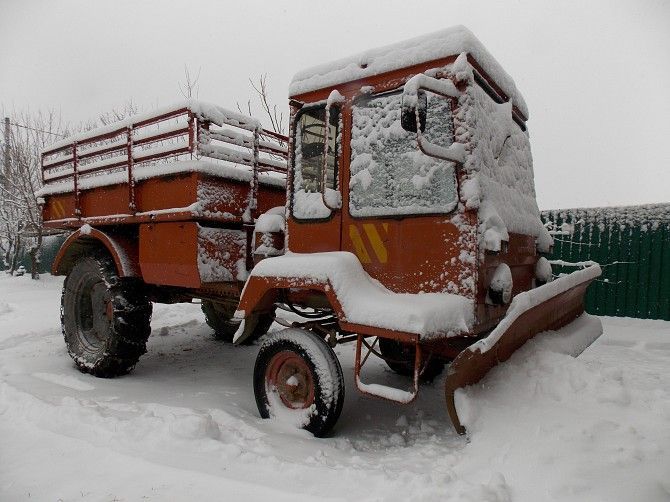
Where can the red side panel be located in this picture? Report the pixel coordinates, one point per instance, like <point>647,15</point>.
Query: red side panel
<point>168,254</point>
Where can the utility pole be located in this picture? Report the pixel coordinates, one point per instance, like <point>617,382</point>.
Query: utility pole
<point>5,170</point>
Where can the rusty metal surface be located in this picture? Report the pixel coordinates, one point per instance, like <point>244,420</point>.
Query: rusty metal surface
<point>150,140</point>
<point>520,254</point>
<point>168,254</point>
<point>122,249</point>
<point>407,254</point>
<point>291,377</point>
<point>114,149</point>
<point>217,198</point>
<point>188,255</point>
<point>390,80</point>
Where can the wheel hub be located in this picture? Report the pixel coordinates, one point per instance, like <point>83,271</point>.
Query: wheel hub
<point>290,377</point>
<point>95,313</point>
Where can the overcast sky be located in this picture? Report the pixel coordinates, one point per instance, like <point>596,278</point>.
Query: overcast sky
<point>595,74</point>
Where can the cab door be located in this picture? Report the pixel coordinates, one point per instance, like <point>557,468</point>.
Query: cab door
<point>399,201</point>
<point>315,199</point>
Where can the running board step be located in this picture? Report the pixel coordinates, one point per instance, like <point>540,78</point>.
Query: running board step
<point>384,391</point>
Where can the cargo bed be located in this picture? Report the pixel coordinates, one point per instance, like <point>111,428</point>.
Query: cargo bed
<point>191,161</point>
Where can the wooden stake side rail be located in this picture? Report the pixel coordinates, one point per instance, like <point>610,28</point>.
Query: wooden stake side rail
<point>159,139</point>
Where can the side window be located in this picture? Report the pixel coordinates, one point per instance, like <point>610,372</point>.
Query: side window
<point>316,147</point>
<point>389,174</point>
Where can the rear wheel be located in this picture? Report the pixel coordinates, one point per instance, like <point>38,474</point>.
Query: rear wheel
<point>400,358</point>
<point>298,375</point>
<point>105,318</point>
<point>219,317</point>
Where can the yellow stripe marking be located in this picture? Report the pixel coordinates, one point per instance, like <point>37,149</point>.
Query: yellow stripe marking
<point>376,242</point>
<point>359,247</point>
<point>59,209</point>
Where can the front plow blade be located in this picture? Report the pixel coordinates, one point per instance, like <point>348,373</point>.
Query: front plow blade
<point>546,308</point>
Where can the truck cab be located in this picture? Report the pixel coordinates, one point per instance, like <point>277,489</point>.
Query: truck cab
<point>432,196</point>
<point>412,226</point>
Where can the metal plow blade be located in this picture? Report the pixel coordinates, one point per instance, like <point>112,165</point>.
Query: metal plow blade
<point>546,308</point>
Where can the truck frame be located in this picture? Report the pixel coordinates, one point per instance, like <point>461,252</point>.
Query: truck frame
<point>399,214</point>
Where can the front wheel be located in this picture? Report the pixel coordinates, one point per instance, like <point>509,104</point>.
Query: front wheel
<point>297,374</point>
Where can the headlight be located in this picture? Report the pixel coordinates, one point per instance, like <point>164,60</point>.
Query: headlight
<point>500,288</point>
<point>543,272</point>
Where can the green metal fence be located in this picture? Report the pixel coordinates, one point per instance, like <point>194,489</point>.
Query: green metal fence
<point>632,245</point>
<point>50,246</point>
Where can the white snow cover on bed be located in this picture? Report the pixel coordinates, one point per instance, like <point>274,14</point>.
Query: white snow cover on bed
<point>215,246</point>
<point>268,223</point>
<point>140,172</point>
<point>206,111</point>
<point>272,220</point>
<point>365,301</point>
<point>436,45</point>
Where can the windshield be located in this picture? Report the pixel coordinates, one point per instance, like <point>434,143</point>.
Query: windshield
<point>389,175</point>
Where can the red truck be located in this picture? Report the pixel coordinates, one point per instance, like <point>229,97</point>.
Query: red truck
<point>399,214</point>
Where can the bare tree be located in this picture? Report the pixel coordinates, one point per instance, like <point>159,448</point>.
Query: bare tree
<point>20,213</point>
<point>190,86</point>
<point>128,109</point>
<point>272,112</point>
<point>10,236</point>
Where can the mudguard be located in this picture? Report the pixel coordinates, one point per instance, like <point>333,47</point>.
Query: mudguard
<point>123,250</point>
<point>546,308</point>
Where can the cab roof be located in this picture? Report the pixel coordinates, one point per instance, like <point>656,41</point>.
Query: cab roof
<point>430,47</point>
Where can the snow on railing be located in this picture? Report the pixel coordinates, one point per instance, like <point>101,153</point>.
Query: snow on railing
<point>192,129</point>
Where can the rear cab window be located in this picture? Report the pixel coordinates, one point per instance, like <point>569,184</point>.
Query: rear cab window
<point>316,146</point>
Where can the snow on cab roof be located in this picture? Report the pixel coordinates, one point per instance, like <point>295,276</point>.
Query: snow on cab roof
<point>436,45</point>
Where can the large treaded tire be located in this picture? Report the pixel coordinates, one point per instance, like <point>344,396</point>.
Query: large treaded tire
<point>219,317</point>
<point>105,319</point>
<point>318,380</point>
<point>401,360</point>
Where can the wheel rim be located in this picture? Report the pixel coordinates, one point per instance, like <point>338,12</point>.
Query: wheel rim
<point>94,314</point>
<point>291,378</point>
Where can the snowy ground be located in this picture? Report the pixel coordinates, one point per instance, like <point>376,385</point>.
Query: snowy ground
<point>184,424</point>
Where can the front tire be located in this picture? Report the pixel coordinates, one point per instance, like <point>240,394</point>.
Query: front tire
<point>297,370</point>
<point>105,318</point>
